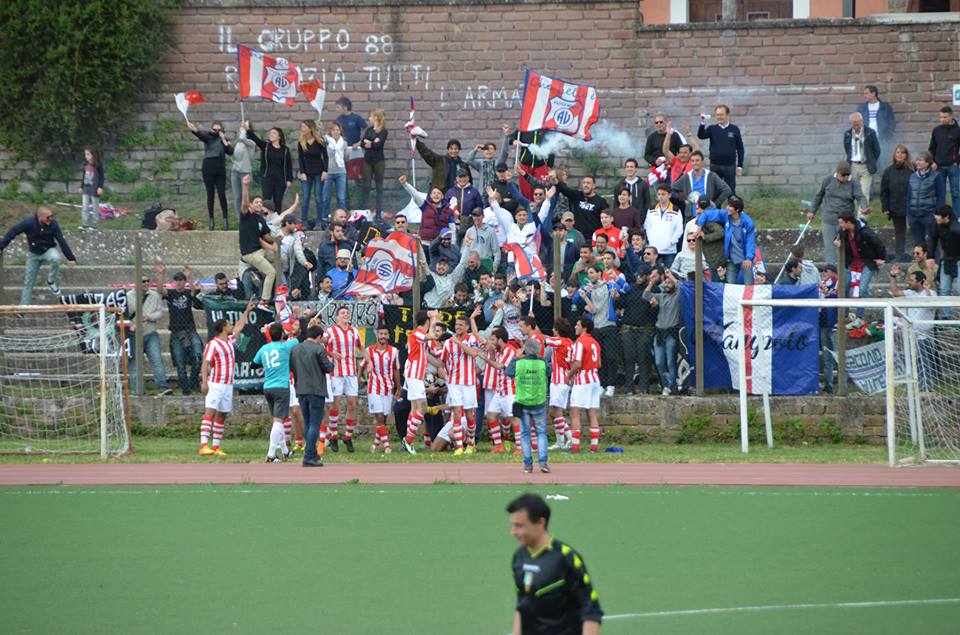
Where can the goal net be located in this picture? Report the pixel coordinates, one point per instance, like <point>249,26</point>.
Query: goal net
<point>62,380</point>
<point>927,392</point>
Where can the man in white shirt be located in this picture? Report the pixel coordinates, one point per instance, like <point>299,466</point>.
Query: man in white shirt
<point>921,319</point>
<point>664,226</point>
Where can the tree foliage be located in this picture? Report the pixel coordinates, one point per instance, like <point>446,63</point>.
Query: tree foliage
<point>72,71</point>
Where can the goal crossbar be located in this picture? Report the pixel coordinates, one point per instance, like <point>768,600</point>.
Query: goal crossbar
<point>889,306</point>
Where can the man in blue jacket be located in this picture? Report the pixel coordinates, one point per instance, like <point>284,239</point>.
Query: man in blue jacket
<point>43,234</point>
<point>739,239</point>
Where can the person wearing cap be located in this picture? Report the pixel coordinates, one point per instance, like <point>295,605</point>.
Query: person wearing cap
<point>438,287</point>
<point>530,403</point>
<point>572,241</point>
<point>510,197</point>
<point>342,274</point>
<point>463,196</point>
<point>443,247</point>
<point>485,242</point>
<point>443,168</point>
<point>185,345</point>
<point>838,194</point>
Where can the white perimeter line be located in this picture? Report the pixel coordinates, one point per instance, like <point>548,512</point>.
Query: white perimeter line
<point>786,607</point>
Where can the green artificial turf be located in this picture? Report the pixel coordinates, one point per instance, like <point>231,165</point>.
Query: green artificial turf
<point>435,559</point>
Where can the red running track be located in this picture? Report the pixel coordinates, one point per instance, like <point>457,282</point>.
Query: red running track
<point>744,474</point>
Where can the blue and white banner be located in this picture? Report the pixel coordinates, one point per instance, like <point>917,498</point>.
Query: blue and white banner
<point>784,341</point>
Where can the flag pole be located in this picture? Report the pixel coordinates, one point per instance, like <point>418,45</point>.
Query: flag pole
<point>243,118</point>
<point>516,154</point>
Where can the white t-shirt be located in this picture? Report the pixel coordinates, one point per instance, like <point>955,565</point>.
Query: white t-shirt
<point>922,317</point>
<point>872,110</point>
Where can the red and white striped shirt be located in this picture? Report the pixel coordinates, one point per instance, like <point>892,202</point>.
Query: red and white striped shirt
<point>461,368</point>
<point>587,350</point>
<point>343,341</point>
<point>506,385</point>
<point>383,363</point>
<point>221,357</point>
<point>489,381</point>
<point>416,365</point>
<point>561,361</point>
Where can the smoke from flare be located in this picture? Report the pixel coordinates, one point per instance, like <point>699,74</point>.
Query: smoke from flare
<point>604,134</point>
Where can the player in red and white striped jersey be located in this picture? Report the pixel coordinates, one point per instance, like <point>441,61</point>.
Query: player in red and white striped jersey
<point>415,370</point>
<point>500,353</point>
<point>459,357</point>
<point>216,380</point>
<point>585,360</point>
<point>381,361</point>
<point>560,345</point>
<point>342,343</point>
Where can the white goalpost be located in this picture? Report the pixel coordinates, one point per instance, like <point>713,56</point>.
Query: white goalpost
<point>62,380</point>
<point>920,379</point>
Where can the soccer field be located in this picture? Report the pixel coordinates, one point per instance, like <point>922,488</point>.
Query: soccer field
<point>435,559</point>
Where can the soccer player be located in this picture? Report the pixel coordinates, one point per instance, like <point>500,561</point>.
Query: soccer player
<point>415,370</point>
<point>343,339</point>
<point>555,594</point>
<point>560,345</point>
<point>216,380</point>
<point>585,394</point>
<point>274,357</point>
<point>459,357</point>
<point>381,361</point>
<point>502,352</point>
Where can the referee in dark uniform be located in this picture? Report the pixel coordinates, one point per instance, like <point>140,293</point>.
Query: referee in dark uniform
<point>555,594</point>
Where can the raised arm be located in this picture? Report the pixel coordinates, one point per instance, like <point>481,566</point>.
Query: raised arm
<point>242,322</point>
<point>418,197</point>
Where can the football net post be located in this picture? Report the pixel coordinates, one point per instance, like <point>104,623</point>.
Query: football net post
<point>921,373</point>
<point>62,380</point>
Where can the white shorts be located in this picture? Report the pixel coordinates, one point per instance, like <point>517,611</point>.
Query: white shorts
<point>344,386</point>
<point>415,389</point>
<point>586,396</point>
<point>329,383</point>
<point>448,428</point>
<point>219,397</point>
<point>380,404</point>
<point>294,402</point>
<point>559,395</point>
<point>502,405</point>
<point>462,396</point>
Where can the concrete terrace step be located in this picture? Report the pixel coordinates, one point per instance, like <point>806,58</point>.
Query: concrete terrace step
<point>100,276</point>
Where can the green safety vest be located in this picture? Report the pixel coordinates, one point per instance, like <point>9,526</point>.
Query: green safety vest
<point>531,377</point>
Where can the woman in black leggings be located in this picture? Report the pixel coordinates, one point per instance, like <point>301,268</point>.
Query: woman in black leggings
<point>214,168</point>
<point>372,140</point>
<point>276,167</point>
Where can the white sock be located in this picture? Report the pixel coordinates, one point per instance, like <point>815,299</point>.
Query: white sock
<point>276,439</point>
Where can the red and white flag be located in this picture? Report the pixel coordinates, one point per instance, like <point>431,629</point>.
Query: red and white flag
<point>553,104</point>
<point>315,94</point>
<point>185,100</point>
<point>265,77</point>
<point>388,266</point>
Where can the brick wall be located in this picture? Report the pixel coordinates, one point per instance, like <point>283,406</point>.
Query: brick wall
<point>790,84</point>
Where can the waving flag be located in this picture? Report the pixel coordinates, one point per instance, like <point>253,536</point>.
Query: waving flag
<point>187,99</point>
<point>388,266</point>
<point>285,315</point>
<point>265,77</point>
<point>315,94</point>
<point>553,104</point>
<point>527,263</point>
<point>784,341</point>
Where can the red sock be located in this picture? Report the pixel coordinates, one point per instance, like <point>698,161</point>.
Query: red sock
<point>495,432</point>
<point>206,425</point>
<point>516,433</point>
<point>533,439</point>
<point>332,425</point>
<point>298,439</point>
<point>217,432</point>
<point>287,429</point>
<point>413,424</point>
<point>594,438</point>
<point>351,426</point>
<point>323,433</point>
<point>560,427</point>
<point>458,434</point>
<point>471,431</point>
<point>382,437</point>
<point>576,441</point>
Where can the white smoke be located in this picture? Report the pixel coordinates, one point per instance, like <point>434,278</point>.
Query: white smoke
<point>604,134</point>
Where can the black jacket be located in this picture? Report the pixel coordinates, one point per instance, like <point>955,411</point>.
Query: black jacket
<point>275,163</point>
<point>886,124</point>
<point>893,189</point>
<point>871,147</point>
<point>653,149</point>
<point>40,238</point>
<point>945,144</point>
<point>868,243</point>
<point>949,238</point>
<point>313,160</point>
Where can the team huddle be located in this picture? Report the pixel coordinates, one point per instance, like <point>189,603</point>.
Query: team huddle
<point>444,375</point>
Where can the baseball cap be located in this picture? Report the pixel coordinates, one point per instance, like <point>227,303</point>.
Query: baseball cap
<point>476,212</point>
<point>269,205</point>
<point>462,172</point>
<point>829,267</point>
<point>179,276</point>
<point>501,167</point>
<point>444,233</point>
<point>343,253</point>
<point>290,219</point>
<point>644,269</point>
<point>568,216</point>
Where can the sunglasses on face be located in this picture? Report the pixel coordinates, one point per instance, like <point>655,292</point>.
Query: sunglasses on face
<point>691,240</point>
<point>568,220</point>
<point>401,222</point>
<point>538,194</point>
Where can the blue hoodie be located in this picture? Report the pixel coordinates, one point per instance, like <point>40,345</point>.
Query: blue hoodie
<point>747,230</point>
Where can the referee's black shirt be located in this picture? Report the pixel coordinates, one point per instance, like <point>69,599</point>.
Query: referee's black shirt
<point>554,592</point>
